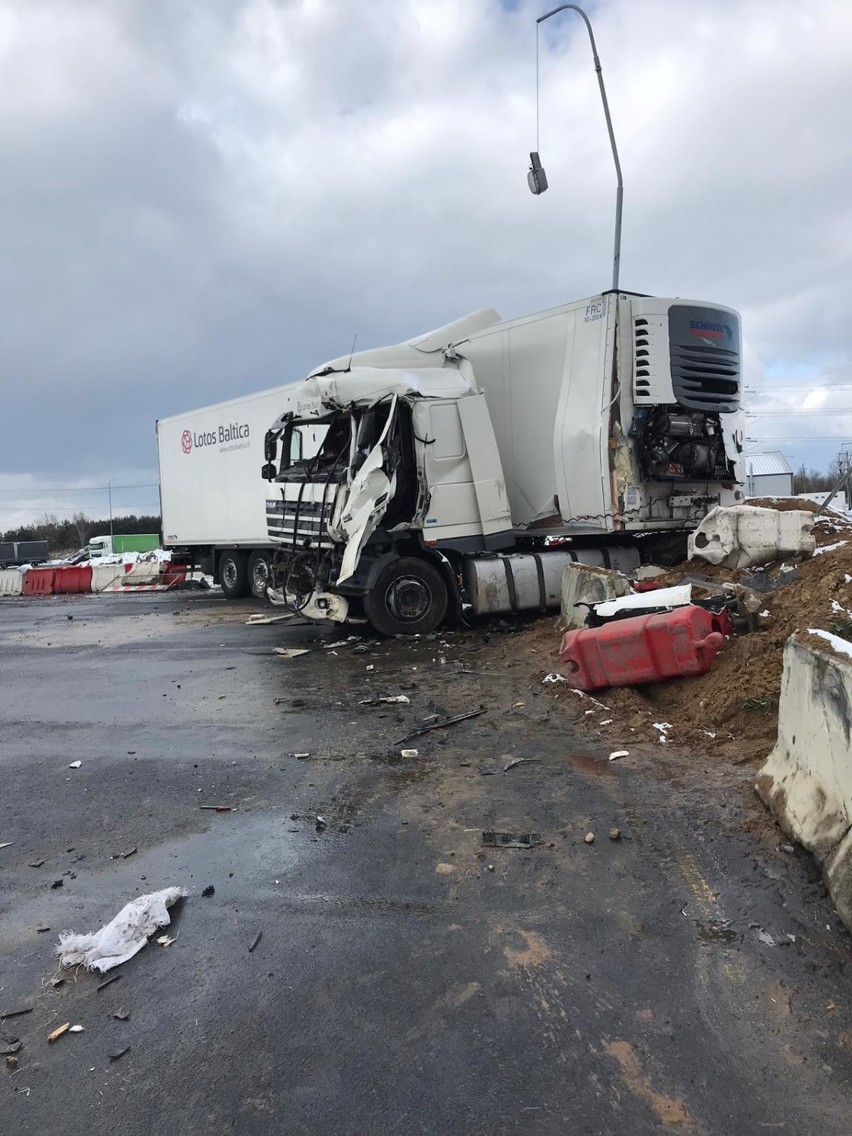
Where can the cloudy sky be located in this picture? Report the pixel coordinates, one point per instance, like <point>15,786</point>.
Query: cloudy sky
<point>204,198</point>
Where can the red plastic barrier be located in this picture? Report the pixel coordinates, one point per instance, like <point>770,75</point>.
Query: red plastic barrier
<point>647,648</point>
<point>176,575</point>
<point>73,580</point>
<point>38,582</point>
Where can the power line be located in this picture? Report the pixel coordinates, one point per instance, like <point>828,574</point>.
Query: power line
<point>28,491</point>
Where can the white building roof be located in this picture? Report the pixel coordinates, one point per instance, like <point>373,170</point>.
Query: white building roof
<point>762,465</point>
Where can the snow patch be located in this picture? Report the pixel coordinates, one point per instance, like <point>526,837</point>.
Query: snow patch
<point>842,646</point>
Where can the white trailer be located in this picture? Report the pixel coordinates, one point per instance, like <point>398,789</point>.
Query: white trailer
<point>213,515</point>
<point>450,463</point>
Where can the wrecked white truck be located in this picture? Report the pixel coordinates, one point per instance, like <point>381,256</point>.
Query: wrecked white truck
<point>468,466</point>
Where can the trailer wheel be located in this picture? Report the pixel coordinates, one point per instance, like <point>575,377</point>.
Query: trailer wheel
<point>233,575</point>
<point>409,598</point>
<point>259,574</point>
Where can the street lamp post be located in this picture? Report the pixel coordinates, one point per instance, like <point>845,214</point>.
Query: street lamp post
<point>537,178</point>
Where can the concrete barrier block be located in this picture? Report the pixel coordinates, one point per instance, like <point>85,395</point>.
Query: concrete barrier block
<point>105,575</point>
<point>744,536</point>
<point>142,572</point>
<point>11,582</point>
<point>584,584</point>
<point>806,781</point>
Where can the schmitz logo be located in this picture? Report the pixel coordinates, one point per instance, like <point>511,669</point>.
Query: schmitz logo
<point>236,433</point>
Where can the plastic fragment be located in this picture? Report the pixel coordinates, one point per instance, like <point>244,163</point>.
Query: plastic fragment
<point>75,764</point>
<point>616,754</point>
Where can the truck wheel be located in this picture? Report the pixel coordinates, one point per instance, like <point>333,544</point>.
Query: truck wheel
<point>409,598</point>
<point>233,575</point>
<point>259,574</point>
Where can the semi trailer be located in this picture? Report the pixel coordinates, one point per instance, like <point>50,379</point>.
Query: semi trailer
<point>14,553</point>
<point>466,467</point>
<point>212,513</point>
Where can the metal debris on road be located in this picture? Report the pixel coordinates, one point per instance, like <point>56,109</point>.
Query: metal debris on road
<point>216,808</point>
<point>511,839</point>
<point>121,1015</point>
<point>255,941</point>
<point>442,724</point>
<point>520,761</point>
<point>386,700</point>
<point>58,1032</point>
<point>15,1013</point>
<point>617,753</point>
<point>208,891</point>
<point>291,652</point>
<point>108,982</point>
<point>75,764</point>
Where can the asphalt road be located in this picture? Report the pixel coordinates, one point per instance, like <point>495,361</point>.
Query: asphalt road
<point>689,977</point>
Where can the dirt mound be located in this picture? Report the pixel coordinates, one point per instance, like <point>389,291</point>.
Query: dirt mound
<point>732,710</point>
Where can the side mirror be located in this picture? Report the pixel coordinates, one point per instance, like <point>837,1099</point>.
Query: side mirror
<point>268,471</point>
<point>536,177</point>
<point>270,444</point>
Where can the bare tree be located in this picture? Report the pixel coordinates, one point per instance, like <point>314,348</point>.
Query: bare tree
<point>82,526</point>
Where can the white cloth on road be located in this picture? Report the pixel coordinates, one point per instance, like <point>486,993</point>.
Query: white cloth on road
<point>121,939</point>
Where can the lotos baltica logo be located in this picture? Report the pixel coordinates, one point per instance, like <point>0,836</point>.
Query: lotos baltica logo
<point>186,441</point>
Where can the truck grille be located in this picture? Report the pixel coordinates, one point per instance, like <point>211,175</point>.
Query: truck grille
<point>706,378</point>
<point>298,522</point>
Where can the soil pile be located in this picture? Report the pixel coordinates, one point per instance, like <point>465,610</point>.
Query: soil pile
<point>733,710</point>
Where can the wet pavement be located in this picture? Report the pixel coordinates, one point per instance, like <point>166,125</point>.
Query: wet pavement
<point>687,977</point>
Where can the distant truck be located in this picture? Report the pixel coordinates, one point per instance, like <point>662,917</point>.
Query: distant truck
<point>14,553</point>
<point>211,495</point>
<point>121,542</point>
<point>469,465</point>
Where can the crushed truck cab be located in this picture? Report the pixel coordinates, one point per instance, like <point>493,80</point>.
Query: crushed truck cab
<point>458,464</point>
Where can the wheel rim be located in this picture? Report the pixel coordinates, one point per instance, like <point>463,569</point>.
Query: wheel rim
<point>408,599</point>
<point>260,577</point>
<point>229,573</point>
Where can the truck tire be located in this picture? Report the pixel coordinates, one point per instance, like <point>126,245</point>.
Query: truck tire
<point>233,575</point>
<point>259,573</point>
<point>409,598</point>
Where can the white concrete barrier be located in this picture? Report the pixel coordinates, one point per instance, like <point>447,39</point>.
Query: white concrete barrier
<point>585,584</point>
<point>806,781</point>
<point>744,536</point>
<point>11,582</point>
<point>142,572</point>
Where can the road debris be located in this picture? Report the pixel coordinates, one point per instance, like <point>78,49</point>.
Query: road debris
<point>58,1032</point>
<point>56,884</point>
<point>123,937</point>
<point>589,838</point>
<point>10,1046</point>
<point>387,700</point>
<point>11,1062</point>
<point>615,834</point>
<point>75,764</point>
<point>208,891</point>
<point>255,941</point>
<point>103,985</point>
<point>511,839</point>
<point>554,678</point>
<point>216,808</point>
<point>121,1015</point>
<point>119,1053</point>
<point>321,824</point>
<point>35,863</point>
<point>441,725</point>
<point>15,1013</point>
<point>409,752</point>
<point>166,940</point>
<point>617,753</point>
<point>520,761</point>
<point>257,619</point>
<point>76,1029</point>
<point>290,652</point>
<point>8,844</point>
<point>129,852</point>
